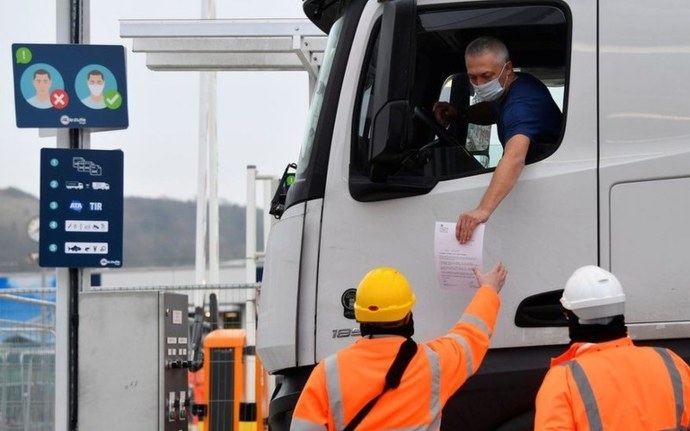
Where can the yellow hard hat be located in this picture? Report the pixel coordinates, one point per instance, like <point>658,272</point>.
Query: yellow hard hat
<point>383,295</point>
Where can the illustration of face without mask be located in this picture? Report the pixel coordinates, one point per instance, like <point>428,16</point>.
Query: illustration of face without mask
<point>42,83</point>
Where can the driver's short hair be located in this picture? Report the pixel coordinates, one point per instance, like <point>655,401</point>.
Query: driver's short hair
<point>484,44</point>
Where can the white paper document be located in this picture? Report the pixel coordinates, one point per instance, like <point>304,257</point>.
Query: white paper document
<point>454,261</point>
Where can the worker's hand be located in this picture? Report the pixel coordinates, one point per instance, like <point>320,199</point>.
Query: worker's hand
<point>494,278</point>
<point>468,222</point>
<point>444,113</point>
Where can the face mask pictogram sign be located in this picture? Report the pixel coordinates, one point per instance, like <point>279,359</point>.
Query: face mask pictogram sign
<point>70,86</point>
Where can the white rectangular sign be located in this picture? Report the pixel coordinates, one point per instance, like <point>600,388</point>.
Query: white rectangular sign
<point>86,248</point>
<point>96,226</point>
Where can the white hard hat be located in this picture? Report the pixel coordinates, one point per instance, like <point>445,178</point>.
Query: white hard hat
<point>593,293</point>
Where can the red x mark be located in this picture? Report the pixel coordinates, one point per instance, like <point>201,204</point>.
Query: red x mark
<point>59,99</point>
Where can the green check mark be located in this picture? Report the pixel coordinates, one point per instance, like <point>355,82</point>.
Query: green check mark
<point>112,99</point>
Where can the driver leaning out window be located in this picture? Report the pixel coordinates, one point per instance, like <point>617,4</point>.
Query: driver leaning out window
<point>527,118</point>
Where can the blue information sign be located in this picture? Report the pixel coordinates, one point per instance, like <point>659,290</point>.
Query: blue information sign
<point>81,208</point>
<point>70,86</point>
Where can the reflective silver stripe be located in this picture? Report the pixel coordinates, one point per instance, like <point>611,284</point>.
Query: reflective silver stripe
<point>335,395</point>
<point>435,404</point>
<point>299,424</point>
<point>468,352</point>
<point>676,381</point>
<point>436,424</point>
<point>476,321</point>
<point>587,395</point>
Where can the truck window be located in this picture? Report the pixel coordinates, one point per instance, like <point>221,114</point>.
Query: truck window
<point>319,92</point>
<point>537,38</point>
<point>482,141</point>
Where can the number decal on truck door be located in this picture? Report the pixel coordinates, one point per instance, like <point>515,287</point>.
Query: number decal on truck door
<point>346,333</point>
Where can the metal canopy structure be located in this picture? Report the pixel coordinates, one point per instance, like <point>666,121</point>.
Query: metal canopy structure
<point>228,45</point>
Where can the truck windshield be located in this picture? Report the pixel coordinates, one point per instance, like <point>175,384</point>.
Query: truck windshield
<point>317,100</point>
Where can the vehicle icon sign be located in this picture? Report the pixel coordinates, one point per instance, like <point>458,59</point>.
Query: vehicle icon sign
<point>74,185</point>
<point>74,248</point>
<point>100,186</point>
<point>86,166</point>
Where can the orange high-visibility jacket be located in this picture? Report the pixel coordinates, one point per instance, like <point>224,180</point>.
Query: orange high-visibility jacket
<point>342,384</point>
<point>615,386</point>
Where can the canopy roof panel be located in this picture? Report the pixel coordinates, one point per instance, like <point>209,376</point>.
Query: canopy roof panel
<point>234,45</point>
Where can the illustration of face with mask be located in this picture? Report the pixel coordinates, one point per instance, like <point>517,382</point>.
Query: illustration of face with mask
<point>96,83</point>
<point>490,73</point>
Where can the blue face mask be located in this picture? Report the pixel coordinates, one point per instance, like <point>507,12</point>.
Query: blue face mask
<point>492,90</point>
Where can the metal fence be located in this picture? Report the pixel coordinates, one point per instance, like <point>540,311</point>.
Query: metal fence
<point>27,359</point>
<point>27,345</point>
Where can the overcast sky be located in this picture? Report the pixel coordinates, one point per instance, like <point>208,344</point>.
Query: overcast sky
<point>260,115</point>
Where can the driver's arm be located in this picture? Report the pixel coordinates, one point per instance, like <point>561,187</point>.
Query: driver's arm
<point>502,182</point>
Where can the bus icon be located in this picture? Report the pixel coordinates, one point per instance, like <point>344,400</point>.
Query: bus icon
<point>100,186</point>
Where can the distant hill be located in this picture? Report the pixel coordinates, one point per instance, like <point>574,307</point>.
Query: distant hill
<point>158,232</point>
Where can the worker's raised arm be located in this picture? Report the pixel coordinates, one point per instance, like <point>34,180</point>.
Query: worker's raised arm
<point>311,412</point>
<point>462,350</point>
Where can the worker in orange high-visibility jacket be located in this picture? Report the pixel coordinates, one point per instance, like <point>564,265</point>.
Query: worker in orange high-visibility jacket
<point>605,382</point>
<point>386,381</point>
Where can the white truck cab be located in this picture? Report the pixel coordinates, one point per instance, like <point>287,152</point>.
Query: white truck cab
<point>375,174</point>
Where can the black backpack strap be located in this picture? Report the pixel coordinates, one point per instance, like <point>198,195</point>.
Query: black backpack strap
<point>407,351</point>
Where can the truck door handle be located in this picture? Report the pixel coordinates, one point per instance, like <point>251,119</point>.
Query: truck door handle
<point>541,310</point>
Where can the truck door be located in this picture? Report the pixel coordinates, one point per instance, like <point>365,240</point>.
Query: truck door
<point>645,162</point>
<point>379,211</point>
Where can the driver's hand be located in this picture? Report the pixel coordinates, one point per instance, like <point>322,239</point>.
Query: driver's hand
<point>468,222</point>
<point>445,113</point>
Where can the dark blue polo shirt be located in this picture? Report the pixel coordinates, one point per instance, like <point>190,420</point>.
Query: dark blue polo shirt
<point>528,109</point>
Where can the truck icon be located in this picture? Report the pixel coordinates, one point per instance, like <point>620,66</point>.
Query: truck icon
<point>74,185</point>
<point>100,186</point>
<point>86,166</point>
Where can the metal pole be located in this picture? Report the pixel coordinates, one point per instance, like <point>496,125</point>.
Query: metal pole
<point>249,309</point>
<point>270,185</point>
<point>72,26</point>
<point>213,227</point>
<point>207,201</point>
<point>62,350</point>
<point>250,355</point>
<point>201,198</point>
<point>63,25</point>
<point>250,223</point>
<point>210,99</point>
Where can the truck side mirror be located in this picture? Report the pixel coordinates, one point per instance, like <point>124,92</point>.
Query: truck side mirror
<point>278,201</point>
<point>396,62</point>
<point>541,310</point>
